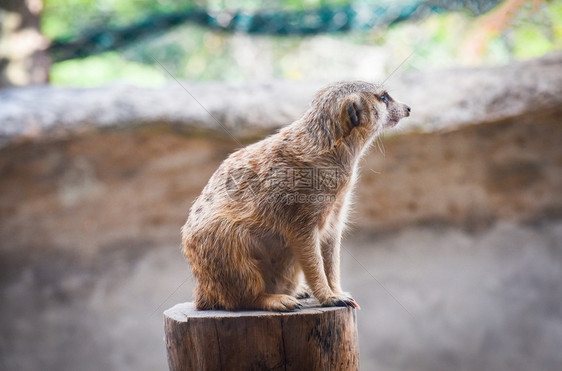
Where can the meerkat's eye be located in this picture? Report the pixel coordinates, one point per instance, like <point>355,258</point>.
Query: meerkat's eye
<point>384,98</point>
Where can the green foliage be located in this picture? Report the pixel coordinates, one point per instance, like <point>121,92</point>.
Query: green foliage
<point>105,68</point>
<point>530,42</point>
<point>62,18</point>
<point>537,34</point>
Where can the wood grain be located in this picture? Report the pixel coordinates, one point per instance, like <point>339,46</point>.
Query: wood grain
<point>314,338</point>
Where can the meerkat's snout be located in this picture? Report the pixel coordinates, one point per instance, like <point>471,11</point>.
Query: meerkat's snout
<point>396,112</point>
<point>403,109</point>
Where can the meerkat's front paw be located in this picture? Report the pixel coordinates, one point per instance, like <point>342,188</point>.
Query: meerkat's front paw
<point>340,300</point>
<point>343,294</point>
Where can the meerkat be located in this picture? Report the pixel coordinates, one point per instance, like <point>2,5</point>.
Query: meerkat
<point>276,209</point>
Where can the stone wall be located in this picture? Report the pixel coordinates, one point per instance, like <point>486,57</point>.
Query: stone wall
<point>442,99</point>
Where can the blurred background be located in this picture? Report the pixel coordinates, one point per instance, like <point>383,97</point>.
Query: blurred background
<point>113,118</point>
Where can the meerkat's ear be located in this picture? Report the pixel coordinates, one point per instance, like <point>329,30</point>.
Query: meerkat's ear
<point>353,113</point>
<point>353,107</point>
<point>350,116</point>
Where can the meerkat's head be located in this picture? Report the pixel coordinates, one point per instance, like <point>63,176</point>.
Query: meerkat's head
<point>356,110</point>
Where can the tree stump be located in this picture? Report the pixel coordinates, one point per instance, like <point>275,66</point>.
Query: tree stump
<point>313,338</point>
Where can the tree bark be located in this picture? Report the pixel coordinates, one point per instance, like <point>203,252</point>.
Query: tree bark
<point>23,57</point>
<point>314,338</point>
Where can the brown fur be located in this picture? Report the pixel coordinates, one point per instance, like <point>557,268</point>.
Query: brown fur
<point>247,249</point>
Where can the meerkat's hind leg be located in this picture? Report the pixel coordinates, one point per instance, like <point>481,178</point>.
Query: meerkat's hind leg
<point>276,302</point>
<point>202,302</point>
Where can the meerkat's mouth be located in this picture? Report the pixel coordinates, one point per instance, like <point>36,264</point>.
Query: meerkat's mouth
<point>392,122</point>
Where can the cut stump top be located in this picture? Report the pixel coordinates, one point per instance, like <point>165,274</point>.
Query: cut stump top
<point>183,311</point>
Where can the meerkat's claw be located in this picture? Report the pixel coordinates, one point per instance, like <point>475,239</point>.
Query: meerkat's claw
<point>351,303</point>
<point>354,303</point>
<point>342,303</point>
<point>303,295</point>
